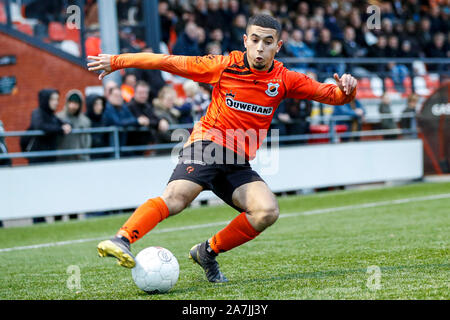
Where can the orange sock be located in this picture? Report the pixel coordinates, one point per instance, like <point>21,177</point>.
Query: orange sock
<point>237,232</point>
<point>144,219</point>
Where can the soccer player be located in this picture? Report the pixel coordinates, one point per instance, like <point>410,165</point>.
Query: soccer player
<point>248,87</point>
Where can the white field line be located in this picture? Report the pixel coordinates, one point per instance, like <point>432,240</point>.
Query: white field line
<point>220,223</point>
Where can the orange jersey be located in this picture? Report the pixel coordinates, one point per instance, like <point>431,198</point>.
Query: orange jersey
<point>244,100</point>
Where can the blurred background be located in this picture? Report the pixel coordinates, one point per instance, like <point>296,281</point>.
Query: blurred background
<point>73,144</point>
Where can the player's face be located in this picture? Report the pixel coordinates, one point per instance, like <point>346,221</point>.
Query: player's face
<point>262,44</point>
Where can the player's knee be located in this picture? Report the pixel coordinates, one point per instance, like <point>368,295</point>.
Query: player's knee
<point>175,202</point>
<point>268,215</point>
<point>271,215</point>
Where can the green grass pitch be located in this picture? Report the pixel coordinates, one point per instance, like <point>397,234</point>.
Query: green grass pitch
<point>318,255</point>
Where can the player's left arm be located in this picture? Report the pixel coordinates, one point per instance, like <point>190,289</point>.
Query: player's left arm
<point>300,86</point>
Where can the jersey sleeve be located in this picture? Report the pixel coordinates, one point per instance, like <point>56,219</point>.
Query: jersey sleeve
<point>300,86</point>
<point>206,69</point>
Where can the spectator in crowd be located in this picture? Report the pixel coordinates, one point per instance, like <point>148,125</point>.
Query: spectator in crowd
<point>387,27</point>
<point>406,50</point>
<point>299,49</point>
<point>411,35</point>
<point>117,114</point>
<point>424,35</point>
<point>298,112</point>
<point>201,12</point>
<point>140,107</point>
<point>351,49</point>
<point>237,32</point>
<point>279,120</point>
<point>201,39</point>
<point>72,114</point>
<point>44,118</point>
<point>217,36</point>
<point>187,42</point>
<point>392,49</point>
<point>153,77</point>
<point>127,87</point>
<point>3,148</point>
<point>167,20</point>
<point>108,86</point>
<point>92,43</point>
<point>310,39</point>
<point>165,108</point>
<point>331,23</point>
<point>192,104</point>
<point>284,52</point>
<point>45,12</point>
<point>405,123</point>
<point>355,111</point>
<point>437,49</point>
<point>202,100</point>
<point>214,48</point>
<point>356,23</point>
<point>127,41</point>
<point>378,50</point>
<point>398,73</point>
<point>335,52</point>
<point>95,106</point>
<point>216,17</point>
<point>324,44</point>
<point>387,123</point>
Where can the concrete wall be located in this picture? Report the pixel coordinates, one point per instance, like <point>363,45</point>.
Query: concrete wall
<point>118,184</point>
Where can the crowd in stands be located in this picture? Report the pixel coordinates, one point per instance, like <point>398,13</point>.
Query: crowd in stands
<point>146,119</point>
<point>411,28</point>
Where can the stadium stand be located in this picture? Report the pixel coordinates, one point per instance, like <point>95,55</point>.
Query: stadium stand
<point>343,22</point>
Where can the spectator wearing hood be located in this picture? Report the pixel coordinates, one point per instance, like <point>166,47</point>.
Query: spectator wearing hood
<point>72,114</point>
<point>44,118</point>
<point>95,106</point>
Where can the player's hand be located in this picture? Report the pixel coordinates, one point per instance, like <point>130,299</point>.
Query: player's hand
<point>347,83</point>
<point>101,62</point>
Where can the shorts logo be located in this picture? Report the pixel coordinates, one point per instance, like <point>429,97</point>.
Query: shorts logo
<point>190,169</point>
<point>272,89</point>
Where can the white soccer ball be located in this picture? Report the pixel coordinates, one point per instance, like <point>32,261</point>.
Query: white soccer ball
<point>156,270</point>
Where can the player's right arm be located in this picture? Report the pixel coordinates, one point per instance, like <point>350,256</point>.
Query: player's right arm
<point>205,69</point>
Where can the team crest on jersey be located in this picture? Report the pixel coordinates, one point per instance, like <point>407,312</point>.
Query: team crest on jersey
<point>272,89</point>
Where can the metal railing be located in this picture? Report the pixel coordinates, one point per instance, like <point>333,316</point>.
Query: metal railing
<point>116,150</point>
<point>371,67</point>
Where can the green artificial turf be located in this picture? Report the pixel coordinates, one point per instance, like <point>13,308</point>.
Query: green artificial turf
<point>317,255</point>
